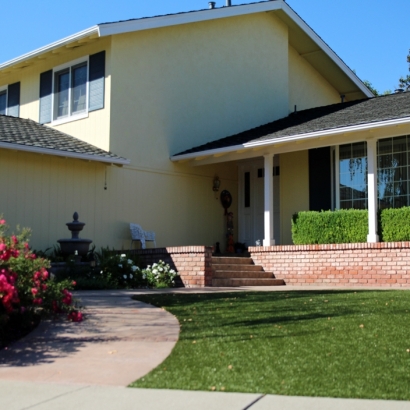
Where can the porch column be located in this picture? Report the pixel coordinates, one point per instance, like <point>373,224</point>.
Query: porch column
<point>268,190</point>
<point>372,189</point>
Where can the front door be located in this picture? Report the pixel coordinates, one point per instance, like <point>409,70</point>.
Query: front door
<point>251,202</point>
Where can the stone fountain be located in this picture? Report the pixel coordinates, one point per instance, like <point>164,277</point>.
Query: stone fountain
<point>75,245</point>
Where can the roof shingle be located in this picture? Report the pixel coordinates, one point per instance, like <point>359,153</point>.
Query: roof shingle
<point>326,118</point>
<point>28,133</point>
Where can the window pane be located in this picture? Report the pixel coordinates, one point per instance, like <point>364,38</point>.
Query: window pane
<point>63,83</point>
<point>385,146</point>
<point>3,102</point>
<point>399,144</point>
<point>353,175</point>
<point>79,90</point>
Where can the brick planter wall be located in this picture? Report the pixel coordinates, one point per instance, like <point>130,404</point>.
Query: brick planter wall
<point>193,263</point>
<point>359,264</point>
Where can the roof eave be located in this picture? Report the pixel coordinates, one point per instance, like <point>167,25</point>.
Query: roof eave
<point>50,47</point>
<point>291,138</point>
<point>65,154</point>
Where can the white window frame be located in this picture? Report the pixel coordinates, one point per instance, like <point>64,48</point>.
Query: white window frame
<point>5,88</point>
<point>70,117</point>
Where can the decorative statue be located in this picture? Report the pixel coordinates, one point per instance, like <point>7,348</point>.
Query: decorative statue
<point>229,233</point>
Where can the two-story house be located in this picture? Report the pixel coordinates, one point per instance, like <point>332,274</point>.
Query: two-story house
<point>132,121</point>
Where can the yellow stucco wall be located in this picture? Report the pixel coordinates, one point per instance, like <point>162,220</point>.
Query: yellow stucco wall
<point>94,129</point>
<point>42,192</point>
<point>294,190</point>
<point>307,88</point>
<point>178,87</point>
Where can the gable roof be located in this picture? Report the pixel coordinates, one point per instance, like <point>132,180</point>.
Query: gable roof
<point>27,135</point>
<point>309,45</point>
<point>342,117</point>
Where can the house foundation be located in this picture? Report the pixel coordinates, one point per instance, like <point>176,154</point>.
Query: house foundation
<point>358,264</point>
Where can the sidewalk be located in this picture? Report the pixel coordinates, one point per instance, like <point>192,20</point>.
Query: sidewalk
<point>63,365</point>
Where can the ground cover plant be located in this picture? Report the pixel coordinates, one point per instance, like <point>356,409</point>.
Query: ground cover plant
<point>312,343</point>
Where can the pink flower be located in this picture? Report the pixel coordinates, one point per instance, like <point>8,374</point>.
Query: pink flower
<point>74,283</point>
<point>14,239</point>
<point>45,275</point>
<point>34,291</point>
<point>3,247</point>
<point>75,316</point>
<point>38,301</point>
<point>43,288</point>
<point>2,221</point>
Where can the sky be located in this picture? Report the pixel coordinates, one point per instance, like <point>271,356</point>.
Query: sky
<point>371,36</point>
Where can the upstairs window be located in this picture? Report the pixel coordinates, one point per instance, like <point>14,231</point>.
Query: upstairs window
<point>10,100</point>
<point>71,91</point>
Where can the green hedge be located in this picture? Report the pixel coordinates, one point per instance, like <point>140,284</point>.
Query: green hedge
<point>343,226</point>
<point>395,224</point>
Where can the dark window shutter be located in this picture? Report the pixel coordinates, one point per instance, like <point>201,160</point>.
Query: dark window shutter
<point>96,81</point>
<point>46,85</point>
<point>320,181</point>
<point>13,100</point>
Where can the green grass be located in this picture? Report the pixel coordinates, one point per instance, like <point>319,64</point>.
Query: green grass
<point>311,343</point>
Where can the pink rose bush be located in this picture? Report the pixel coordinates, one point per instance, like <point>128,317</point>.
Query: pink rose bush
<point>25,283</point>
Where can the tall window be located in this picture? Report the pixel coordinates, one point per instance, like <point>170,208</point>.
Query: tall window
<point>393,173</point>
<point>353,176</point>
<point>393,170</point>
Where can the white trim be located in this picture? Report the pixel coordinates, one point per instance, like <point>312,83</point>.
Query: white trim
<point>65,154</point>
<point>6,89</point>
<point>269,239</point>
<point>149,23</point>
<point>70,117</point>
<point>337,177</point>
<point>42,50</point>
<point>335,131</point>
<point>372,200</point>
<point>274,141</point>
<point>109,29</point>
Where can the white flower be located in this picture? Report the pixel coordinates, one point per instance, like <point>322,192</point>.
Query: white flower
<point>172,271</point>
<point>123,255</point>
<point>125,276</point>
<point>120,265</point>
<point>131,276</point>
<point>134,268</point>
<point>144,276</point>
<point>130,262</point>
<point>101,272</point>
<point>155,271</point>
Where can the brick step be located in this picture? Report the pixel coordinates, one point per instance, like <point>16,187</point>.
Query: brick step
<point>219,260</point>
<point>224,274</point>
<point>239,268</point>
<point>236,282</point>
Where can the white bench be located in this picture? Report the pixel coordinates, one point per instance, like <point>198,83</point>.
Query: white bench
<point>138,234</point>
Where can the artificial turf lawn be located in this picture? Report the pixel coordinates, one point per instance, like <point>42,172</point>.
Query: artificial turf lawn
<point>310,343</point>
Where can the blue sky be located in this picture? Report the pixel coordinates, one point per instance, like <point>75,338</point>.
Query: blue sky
<point>371,36</point>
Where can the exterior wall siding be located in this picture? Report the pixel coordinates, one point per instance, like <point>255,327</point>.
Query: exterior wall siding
<point>307,88</point>
<point>294,190</point>
<point>361,264</point>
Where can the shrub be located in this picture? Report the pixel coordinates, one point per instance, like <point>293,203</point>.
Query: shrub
<point>159,275</point>
<point>395,224</point>
<point>326,227</point>
<point>25,284</point>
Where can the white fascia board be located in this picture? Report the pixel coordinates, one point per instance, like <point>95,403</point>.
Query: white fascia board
<point>335,131</point>
<point>292,138</point>
<point>193,155</point>
<point>67,40</point>
<point>121,27</point>
<point>65,154</point>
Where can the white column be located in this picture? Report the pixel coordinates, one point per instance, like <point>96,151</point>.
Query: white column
<point>372,189</point>
<point>268,189</point>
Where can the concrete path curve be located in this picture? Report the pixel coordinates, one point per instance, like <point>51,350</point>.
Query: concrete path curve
<point>120,341</point>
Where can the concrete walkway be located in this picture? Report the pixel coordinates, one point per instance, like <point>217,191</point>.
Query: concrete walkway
<point>63,365</point>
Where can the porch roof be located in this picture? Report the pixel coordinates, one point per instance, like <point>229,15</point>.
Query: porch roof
<point>26,135</point>
<point>366,114</point>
